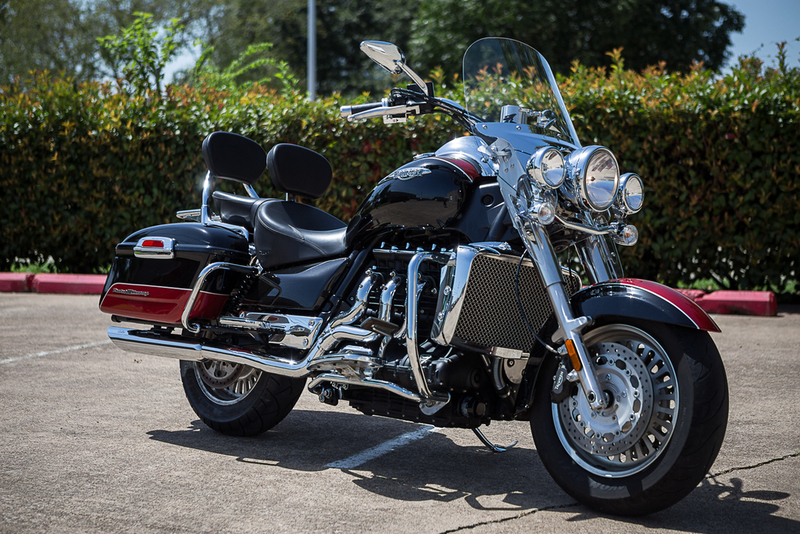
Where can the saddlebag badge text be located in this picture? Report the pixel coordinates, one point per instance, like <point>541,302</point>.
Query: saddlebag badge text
<point>130,292</point>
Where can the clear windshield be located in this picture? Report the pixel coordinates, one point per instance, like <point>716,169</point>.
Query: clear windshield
<point>500,72</point>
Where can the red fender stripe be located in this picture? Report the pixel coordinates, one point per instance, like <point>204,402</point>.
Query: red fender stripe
<point>687,306</point>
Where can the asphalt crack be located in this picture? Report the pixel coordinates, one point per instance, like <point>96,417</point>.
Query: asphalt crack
<point>754,466</point>
<point>574,504</point>
<point>511,518</point>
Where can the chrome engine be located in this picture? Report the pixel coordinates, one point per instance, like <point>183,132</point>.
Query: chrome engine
<point>423,328</point>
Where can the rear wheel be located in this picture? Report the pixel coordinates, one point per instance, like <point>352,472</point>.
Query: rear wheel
<point>667,411</point>
<point>238,400</point>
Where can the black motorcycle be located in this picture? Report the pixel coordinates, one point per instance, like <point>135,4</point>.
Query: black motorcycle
<point>443,300</point>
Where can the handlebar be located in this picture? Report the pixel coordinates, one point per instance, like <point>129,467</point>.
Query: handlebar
<point>403,104</point>
<point>347,111</point>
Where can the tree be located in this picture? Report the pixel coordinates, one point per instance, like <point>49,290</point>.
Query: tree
<point>45,35</point>
<point>341,26</point>
<point>61,35</point>
<point>678,32</point>
<point>141,53</point>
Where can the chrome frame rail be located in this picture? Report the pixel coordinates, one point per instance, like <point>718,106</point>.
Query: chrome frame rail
<point>201,280</point>
<point>431,403</point>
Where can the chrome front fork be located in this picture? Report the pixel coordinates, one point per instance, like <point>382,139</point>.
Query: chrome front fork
<point>509,171</point>
<point>538,245</point>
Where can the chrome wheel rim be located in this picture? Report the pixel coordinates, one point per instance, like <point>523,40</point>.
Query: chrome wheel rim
<point>641,388</point>
<point>225,383</point>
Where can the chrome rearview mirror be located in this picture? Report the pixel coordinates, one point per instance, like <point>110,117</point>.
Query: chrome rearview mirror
<point>387,55</point>
<point>390,57</point>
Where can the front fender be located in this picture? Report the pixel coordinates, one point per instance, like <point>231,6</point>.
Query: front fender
<point>641,299</point>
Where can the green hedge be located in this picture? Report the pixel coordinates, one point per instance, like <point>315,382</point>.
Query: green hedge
<point>720,159</point>
<point>85,166</point>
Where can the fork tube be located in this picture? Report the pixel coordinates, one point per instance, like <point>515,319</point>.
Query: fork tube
<point>600,259</point>
<point>538,244</point>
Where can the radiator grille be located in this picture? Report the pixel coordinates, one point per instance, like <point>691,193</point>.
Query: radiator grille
<point>490,315</point>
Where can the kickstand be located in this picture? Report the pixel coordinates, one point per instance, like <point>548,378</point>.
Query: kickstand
<point>492,447</point>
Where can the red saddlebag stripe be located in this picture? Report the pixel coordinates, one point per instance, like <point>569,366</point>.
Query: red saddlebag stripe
<point>159,304</point>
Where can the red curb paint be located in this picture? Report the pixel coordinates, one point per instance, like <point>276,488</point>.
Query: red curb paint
<point>16,282</point>
<point>740,302</point>
<point>693,294</point>
<point>75,284</point>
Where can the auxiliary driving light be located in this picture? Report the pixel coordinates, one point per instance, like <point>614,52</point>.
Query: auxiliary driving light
<point>546,168</point>
<point>630,197</point>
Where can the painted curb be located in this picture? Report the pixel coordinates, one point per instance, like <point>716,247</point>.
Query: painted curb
<point>75,284</point>
<point>735,302</point>
<point>16,282</point>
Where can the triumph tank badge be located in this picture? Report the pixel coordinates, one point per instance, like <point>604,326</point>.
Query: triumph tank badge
<point>407,174</point>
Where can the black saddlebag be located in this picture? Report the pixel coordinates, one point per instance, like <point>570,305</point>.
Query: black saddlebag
<point>154,271</point>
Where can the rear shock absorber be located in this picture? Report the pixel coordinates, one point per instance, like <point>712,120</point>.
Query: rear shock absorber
<point>238,294</point>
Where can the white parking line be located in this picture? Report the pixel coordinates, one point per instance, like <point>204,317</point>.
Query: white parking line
<point>379,450</point>
<point>59,351</point>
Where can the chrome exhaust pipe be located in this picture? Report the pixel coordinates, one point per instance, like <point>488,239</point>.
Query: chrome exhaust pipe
<point>335,378</point>
<point>172,346</point>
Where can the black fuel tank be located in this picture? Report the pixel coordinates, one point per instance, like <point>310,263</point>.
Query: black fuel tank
<point>426,193</point>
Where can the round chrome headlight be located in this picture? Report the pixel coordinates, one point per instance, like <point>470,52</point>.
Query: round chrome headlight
<point>631,193</point>
<point>599,179</point>
<point>546,167</point>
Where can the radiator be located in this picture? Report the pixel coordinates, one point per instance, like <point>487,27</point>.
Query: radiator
<point>478,307</point>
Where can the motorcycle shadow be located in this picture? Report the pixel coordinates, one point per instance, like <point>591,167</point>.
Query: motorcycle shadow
<point>431,468</point>
<point>716,506</point>
<point>436,468</point>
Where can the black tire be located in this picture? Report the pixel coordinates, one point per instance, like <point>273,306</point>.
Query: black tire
<point>239,401</point>
<point>619,473</point>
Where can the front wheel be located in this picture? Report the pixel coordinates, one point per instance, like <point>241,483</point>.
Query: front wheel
<point>238,400</point>
<point>667,399</point>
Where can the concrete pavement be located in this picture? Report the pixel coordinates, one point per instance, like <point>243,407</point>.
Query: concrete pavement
<point>97,440</point>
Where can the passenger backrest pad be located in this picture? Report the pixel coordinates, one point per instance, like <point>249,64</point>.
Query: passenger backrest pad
<point>234,157</point>
<point>299,171</point>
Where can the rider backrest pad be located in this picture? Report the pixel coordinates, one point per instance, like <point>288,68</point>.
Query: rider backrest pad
<point>299,171</point>
<point>234,157</point>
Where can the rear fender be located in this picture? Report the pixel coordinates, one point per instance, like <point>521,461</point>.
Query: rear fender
<point>641,299</point>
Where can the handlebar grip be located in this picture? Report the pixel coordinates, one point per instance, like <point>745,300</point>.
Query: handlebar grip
<point>346,111</point>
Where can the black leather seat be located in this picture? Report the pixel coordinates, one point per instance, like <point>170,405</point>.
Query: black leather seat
<point>288,232</point>
<point>237,209</point>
